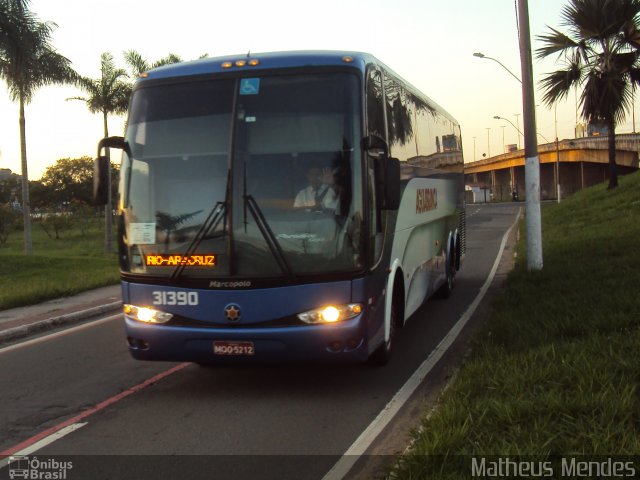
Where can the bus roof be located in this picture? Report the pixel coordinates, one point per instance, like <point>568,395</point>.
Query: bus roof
<point>266,60</point>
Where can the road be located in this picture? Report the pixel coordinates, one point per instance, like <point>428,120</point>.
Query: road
<point>216,423</point>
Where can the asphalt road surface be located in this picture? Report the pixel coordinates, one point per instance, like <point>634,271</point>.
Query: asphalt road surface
<point>277,422</point>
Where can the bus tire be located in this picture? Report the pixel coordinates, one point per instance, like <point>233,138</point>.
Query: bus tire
<point>382,355</point>
<point>446,289</point>
<point>458,252</point>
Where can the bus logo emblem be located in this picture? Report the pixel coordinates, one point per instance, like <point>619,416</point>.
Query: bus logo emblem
<point>232,312</point>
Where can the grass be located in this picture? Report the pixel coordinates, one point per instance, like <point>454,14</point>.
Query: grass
<point>555,371</point>
<point>74,263</point>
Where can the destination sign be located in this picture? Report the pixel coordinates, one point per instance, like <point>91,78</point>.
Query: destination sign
<point>162,260</point>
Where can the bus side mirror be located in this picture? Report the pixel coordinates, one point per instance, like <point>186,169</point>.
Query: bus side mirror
<point>102,169</point>
<point>387,171</point>
<point>375,146</point>
<point>101,180</point>
<point>391,199</point>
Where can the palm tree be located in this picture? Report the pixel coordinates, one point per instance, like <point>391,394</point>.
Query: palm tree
<point>28,61</point>
<point>601,55</point>
<point>11,13</point>
<point>138,65</point>
<point>107,94</point>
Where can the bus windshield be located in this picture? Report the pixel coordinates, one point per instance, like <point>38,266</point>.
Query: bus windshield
<point>244,177</point>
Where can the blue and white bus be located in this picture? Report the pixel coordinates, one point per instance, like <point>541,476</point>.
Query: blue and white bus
<point>227,254</point>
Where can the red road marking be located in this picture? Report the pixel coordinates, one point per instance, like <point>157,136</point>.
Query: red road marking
<point>92,410</point>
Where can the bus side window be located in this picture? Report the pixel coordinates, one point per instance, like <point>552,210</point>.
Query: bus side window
<point>375,126</point>
<point>375,226</point>
<point>375,105</point>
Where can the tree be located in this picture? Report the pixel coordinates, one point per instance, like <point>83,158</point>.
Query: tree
<point>138,64</point>
<point>9,187</point>
<point>69,179</point>
<point>601,55</point>
<point>28,61</point>
<point>8,220</point>
<point>108,94</point>
<point>39,195</point>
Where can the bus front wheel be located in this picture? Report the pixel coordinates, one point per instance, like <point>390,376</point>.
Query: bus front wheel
<point>382,355</point>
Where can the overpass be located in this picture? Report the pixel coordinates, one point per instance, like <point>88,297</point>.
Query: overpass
<point>574,164</point>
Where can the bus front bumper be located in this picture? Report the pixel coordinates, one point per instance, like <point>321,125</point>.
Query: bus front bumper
<point>343,342</point>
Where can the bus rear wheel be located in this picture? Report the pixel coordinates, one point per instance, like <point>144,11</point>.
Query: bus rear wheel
<point>446,289</point>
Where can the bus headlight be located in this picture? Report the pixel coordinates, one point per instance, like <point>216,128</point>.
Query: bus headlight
<point>146,314</point>
<point>331,313</point>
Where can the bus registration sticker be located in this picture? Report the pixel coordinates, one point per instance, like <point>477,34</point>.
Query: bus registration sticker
<point>142,233</point>
<point>233,348</point>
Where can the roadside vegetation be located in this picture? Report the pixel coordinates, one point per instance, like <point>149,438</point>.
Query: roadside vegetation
<point>554,371</point>
<point>68,237</point>
<point>29,61</point>
<point>71,263</point>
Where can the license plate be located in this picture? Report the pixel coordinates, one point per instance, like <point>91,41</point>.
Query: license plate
<point>233,348</point>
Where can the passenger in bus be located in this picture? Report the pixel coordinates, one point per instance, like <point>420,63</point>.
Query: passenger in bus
<point>321,193</point>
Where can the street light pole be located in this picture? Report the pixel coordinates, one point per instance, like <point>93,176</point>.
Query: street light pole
<point>497,117</point>
<point>488,145</point>
<point>482,55</point>
<point>532,161</point>
<point>633,106</point>
<point>555,115</point>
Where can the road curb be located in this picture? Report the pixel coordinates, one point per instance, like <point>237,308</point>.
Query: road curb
<point>23,331</point>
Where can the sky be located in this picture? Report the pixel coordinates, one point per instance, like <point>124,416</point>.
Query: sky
<point>430,43</point>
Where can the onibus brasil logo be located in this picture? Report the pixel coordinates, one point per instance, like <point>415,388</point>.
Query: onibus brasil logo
<point>34,469</point>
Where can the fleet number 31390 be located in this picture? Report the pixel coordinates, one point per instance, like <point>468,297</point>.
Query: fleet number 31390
<point>175,298</point>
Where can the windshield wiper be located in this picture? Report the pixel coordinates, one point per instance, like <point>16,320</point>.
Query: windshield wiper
<point>216,214</point>
<point>268,235</point>
<point>263,226</point>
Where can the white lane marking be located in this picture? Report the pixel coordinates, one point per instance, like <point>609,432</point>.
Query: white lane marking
<point>474,213</point>
<point>43,443</point>
<point>51,336</point>
<point>366,438</point>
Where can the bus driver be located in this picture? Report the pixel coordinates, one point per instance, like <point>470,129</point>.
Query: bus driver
<point>321,191</point>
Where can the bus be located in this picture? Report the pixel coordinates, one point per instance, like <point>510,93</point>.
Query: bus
<point>227,255</point>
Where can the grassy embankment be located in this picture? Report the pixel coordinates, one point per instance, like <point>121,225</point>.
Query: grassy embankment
<point>555,371</point>
<point>71,264</point>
